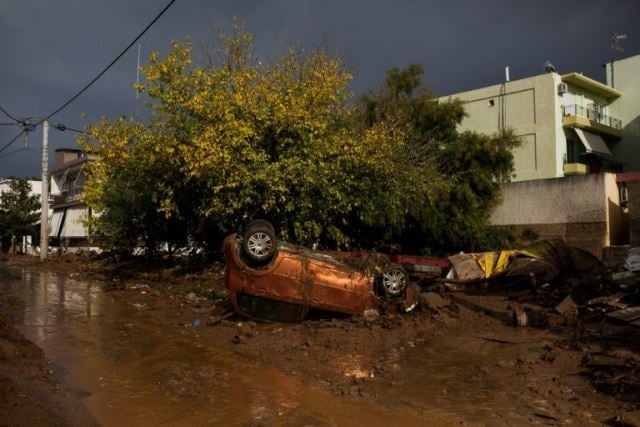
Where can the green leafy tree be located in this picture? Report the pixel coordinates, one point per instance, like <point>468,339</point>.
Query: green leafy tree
<point>128,185</point>
<point>18,211</point>
<point>233,136</point>
<point>476,164</point>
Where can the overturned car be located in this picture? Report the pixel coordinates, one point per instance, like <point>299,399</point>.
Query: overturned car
<point>272,280</point>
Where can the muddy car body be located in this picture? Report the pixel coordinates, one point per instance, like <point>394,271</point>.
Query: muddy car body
<point>296,276</point>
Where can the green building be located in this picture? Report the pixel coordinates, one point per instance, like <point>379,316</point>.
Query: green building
<point>626,78</point>
<point>569,124</point>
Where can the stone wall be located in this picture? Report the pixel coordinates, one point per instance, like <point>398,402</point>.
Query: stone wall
<point>590,237</point>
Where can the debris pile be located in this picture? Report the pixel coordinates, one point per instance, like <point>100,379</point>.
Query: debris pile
<point>550,284</point>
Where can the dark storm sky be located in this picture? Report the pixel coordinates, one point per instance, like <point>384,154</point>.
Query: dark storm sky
<point>51,49</point>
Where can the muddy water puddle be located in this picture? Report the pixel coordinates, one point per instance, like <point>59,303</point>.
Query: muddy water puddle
<point>131,369</point>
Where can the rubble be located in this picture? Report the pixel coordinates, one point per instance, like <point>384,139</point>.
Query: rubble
<point>553,286</point>
<point>632,261</point>
<point>434,301</point>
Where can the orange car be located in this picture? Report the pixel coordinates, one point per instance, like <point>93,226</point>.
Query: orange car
<point>273,280</point>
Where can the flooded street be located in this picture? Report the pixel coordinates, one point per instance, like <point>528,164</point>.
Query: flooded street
<point>132,369</point>
<point>133,361</point>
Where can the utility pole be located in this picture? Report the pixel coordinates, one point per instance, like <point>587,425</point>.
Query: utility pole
<point>44,208</point>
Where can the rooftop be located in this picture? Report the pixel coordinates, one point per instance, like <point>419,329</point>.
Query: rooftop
<point>584,82</point>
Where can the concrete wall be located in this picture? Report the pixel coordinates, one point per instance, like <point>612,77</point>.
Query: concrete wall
<point>627,109</point>
<point>583,210</point>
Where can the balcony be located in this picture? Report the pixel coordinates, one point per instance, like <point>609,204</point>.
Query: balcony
<point>575,169</point>
<point>67,198</point>
<point>591,119</point>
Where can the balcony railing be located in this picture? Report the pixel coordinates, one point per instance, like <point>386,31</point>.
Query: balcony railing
<point>592,114</point>
<point>67,197</point>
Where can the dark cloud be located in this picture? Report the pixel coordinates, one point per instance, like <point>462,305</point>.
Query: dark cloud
<point>51,49</point>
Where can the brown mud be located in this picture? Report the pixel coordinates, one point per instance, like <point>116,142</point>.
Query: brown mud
<point>130,344</point>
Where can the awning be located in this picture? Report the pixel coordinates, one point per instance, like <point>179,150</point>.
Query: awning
<point>592,142</point>
<point>54,223</point>
<point>72,226</point>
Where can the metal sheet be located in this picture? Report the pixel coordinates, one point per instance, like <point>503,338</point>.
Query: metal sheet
<point>54,223</point>
<point>592,142</point>
<point>72,226</point>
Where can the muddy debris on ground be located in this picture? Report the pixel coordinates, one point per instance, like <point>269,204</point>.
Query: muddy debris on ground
<point>566,290</point>
<point>462,343</point>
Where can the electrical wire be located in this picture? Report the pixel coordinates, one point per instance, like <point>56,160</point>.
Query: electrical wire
<point>62,127</point>
<point>88,85</point>
<point>9,115</point>
<point>12,141</point>
<point>74,97</point>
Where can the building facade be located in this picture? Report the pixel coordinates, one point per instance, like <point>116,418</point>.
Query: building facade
<point>625,77</point>
<point>568,124</point>
<point>66,222</point>
<point>574,130</point>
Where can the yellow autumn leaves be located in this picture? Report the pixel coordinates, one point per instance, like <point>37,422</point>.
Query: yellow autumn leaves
<point>229,136</point>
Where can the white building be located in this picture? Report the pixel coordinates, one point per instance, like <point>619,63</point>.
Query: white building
<point>66,227</point>
<point>36,186</point>
<point>569,124</point>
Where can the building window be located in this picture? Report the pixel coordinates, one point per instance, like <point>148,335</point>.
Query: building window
<point>491,103</point>
<point>624,193</point>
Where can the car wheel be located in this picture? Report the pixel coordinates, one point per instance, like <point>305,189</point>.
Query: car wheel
<point>259,242</point>
<point>393,282</point>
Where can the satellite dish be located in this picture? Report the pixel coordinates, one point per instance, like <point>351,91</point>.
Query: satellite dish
<point>549,67</point>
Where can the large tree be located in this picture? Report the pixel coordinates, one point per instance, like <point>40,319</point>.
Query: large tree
<point>476,164</point>
<point>232,136</point>
<point>18,211</point>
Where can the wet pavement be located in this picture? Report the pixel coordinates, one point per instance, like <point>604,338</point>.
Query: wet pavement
<point>130,366</point>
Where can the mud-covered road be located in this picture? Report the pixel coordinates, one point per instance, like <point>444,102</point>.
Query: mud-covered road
<point>145,355</point>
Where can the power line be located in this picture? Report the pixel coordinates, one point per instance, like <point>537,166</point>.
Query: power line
<point>12,141</point>
<point>26,129</point>
<point>87,86</point>
<point>62,127</point>
<point>9,115</point>
<point>73,98</point>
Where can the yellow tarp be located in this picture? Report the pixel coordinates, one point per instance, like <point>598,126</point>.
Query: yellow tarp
<point>492,263</point>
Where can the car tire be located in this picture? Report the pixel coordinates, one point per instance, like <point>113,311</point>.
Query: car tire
<point>393,282</point>
<point>259,242</point>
